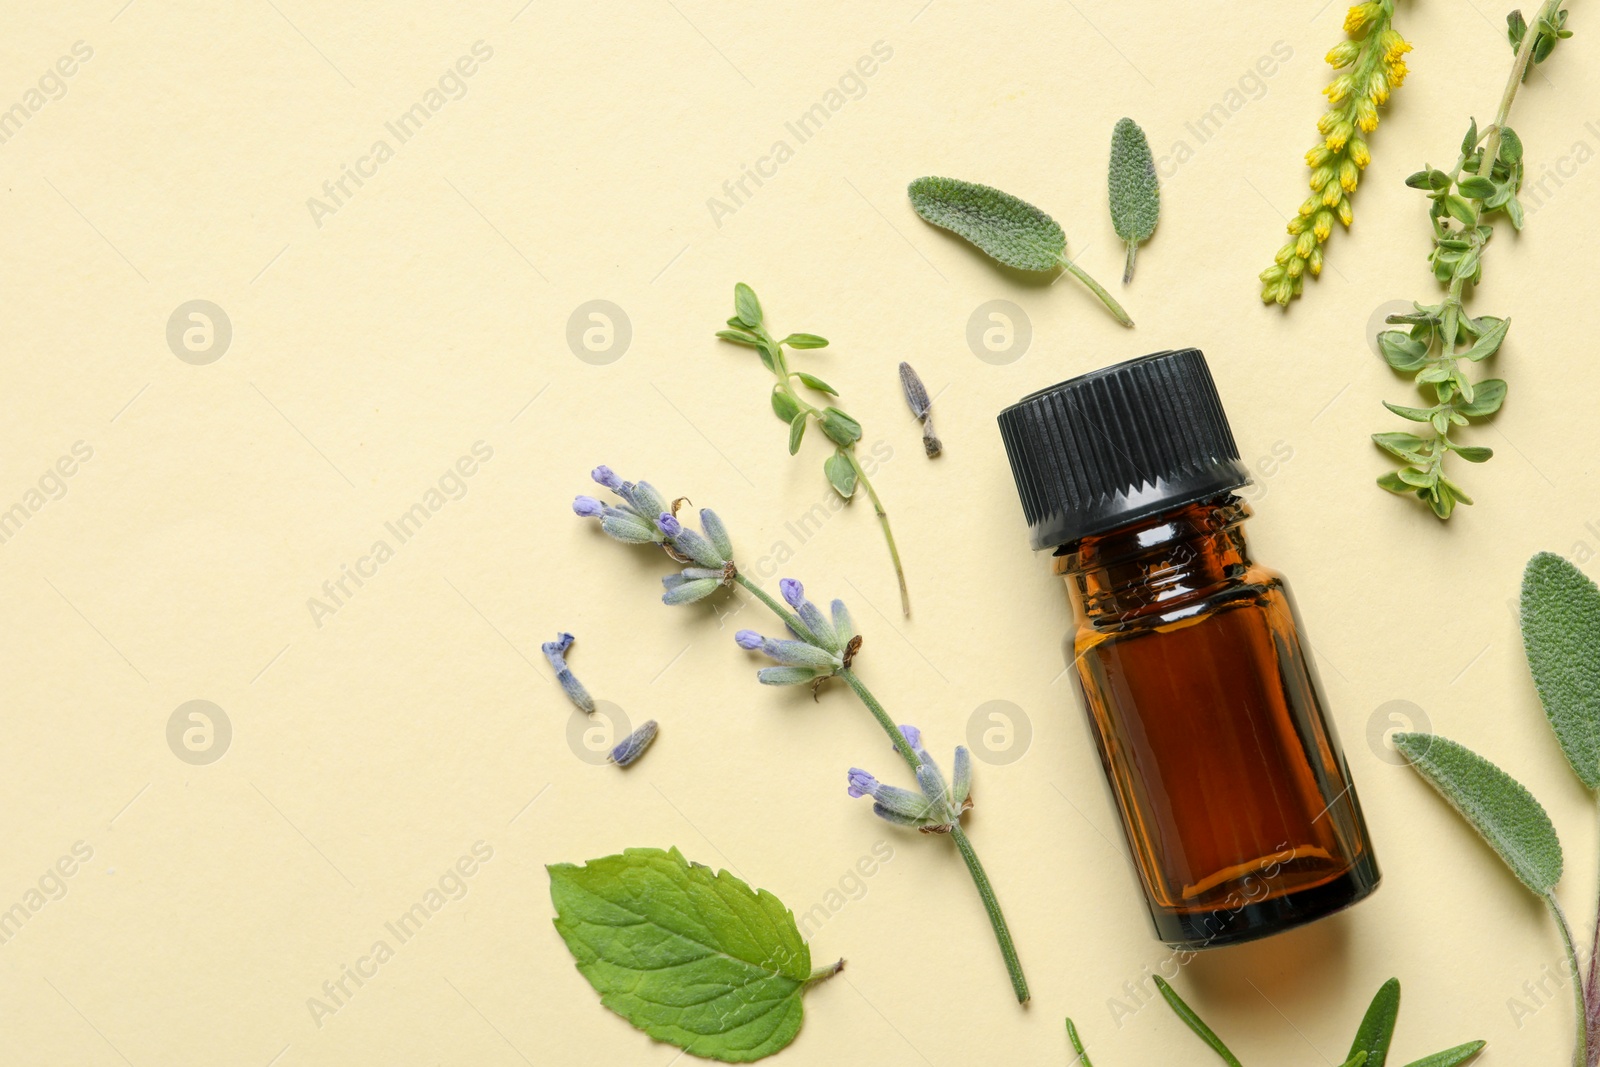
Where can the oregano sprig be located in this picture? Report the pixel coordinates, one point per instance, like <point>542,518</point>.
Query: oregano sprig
<point>843,468</point>
<point>1441,339</point>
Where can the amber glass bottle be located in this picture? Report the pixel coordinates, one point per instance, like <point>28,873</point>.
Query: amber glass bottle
<point>1240,815</point>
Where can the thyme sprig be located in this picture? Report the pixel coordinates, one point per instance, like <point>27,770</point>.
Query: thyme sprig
<point>843,468</point>
<point>1441,338</point>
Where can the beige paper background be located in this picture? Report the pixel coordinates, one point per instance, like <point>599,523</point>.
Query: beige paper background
<point>429,312</point>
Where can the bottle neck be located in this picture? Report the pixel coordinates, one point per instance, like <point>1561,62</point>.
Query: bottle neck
<point>1158,563</point>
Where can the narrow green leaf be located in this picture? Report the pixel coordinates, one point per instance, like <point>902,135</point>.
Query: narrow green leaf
<point>805,340</point>
<point>816,383</point>
<point>1077,1046</point>
<point>841,474</point>
<point>1490,340</point>
<point>1515,212</point>
<point>1135,192</point>
<point>1414,414</point>
<point>1450,1056</point>
<point>1459,209</point>
<point>1488,395</point>
<point>1473,453</point>
<point>1403,445</point>
<point>1476,187</point>
<point>1007,229</point>
<point>797,430</point>
<point>694,958</point>
<point>783,405</point>
<point>740,337</point>
<point>746,305</point>
<point>1499,807</point>
<point>1561,633</point>
<point>1377,1026</point>
<point>1194,1022</point>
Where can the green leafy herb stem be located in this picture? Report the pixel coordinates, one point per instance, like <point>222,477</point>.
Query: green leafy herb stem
<point>843,468</point>
<point>1441,337</point>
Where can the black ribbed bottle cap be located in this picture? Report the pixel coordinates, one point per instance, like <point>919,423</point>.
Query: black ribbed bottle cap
<point>1118,445</point>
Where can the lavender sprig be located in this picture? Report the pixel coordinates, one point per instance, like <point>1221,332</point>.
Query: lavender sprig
<point>843,469</point>
<point>819,646</point>
<point>556,652</point>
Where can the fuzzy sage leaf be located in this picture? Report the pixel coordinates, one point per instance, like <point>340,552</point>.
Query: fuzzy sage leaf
<point>1561,633</point>
<point>693,958</point>
<point>1135,193</point>
<point>1007,229</point>
<point>1499,807</point>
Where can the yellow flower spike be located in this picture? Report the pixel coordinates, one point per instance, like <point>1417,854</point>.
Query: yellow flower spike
<point>1338,89</point>
<point>1397,72</point>
<point>1378,88</point>
<point>1345,215</point>
<point>1322,176</point>
<point>1366,115</point>
<point>1309,205</point>
<point>1324,225</point>
<point>1314,261</point>
<point>1348,176</point>
<point>1360,155</point>
<point>1318,156</point>
<point>1303,245</point>
<point>1331,195</point>
<point>1296,267</point>
<point>1328,121</point>
<point>1285,254</point>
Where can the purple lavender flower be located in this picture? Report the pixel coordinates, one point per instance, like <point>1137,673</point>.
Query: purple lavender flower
<point>935,808</point>
<point>862,784</point>
<point>748,640</point>
<point>690,543</point>
<point>800,661</point>
<point>632,747</point>
<point>607,477</point>
<point>556,652</point>
<point>588,507</point>
<point>816,624</point>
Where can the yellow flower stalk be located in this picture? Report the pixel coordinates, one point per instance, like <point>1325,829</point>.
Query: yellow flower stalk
<point>1371,65</point>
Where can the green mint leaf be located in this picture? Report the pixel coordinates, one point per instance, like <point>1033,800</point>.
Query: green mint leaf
<point>1493,335</point>
<point>841,429</point>
<point>816,383</point>
<point>1403,445</point>
<point>805,340</point>
<point>1394,483</point>
<point>1473,453</point>
<point>1415,478</point>
<point>1194,1022</point>
<point>691,957</point>
<point>1450,1056</point>
<point>1476,187</point>
<point>783,405</point>
<point>797,430</point>
<point>740,337</point>
<point>1377,1026</point>
<point>1487,397</point>
<point>1498,806</point>
<point>841,474</point>
<point>1561,633</point>
<point>1135,193</point>
<point>746,305</point>
<point>1007,229</point>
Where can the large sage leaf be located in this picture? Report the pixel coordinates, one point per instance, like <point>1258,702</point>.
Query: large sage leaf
<point>1497,805</point>
<point>1010,230</point>
<point>1561,632</point>
<point>1134,191</point>
<point>691,957</point>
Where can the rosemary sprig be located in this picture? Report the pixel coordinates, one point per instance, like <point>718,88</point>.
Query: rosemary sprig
<point>843,468</point>
<point>1484,180</point>
<point>1371,59</point>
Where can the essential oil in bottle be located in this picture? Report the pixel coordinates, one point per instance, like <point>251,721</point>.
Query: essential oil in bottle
<point>1203,699</point>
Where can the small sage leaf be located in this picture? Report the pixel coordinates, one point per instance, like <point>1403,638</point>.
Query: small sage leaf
<point>797,430</point>
<point>1135,193</point>
<point>1561,633</point>
<point>746,305</point>
<point>841,474</point>
<point>1007,229</point>
<point>694,958</point>
<point>1377,1026</point>
<point>1498,806</point>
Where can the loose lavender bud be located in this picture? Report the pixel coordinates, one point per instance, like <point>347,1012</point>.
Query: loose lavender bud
<point>843,624</point>
<point>718,533</point>
<point>931,782</point>
<point>627,527</point>
<point>682,590</point>
<point>644,498</point>
<point>588,507</point>
<point>793,592</point>
<point>748,640</point>
<point>913,738</point>
<point>556,652</point>
<point>669,525</point>
<point>921,407</point>
<point>961,784</point>
<point>862,784</point>
<point>633,746</point>
<point>821,630</point>
<point>606,477</point>
<point>800,654</point>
